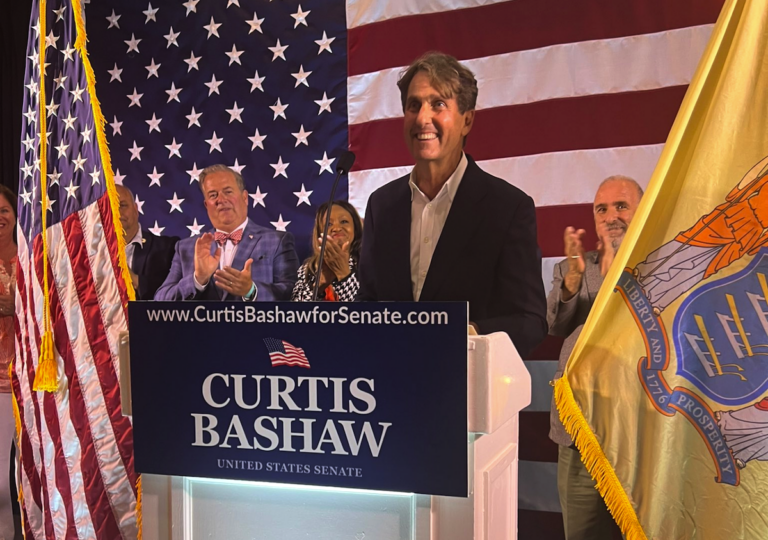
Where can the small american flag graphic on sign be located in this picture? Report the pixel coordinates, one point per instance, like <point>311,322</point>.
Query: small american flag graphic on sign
<point>283,353</point>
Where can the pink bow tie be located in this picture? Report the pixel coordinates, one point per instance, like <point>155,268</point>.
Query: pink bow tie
<point>235,237</point>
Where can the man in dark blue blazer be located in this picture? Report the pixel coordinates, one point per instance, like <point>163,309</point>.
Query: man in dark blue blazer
<point>449,230</point>
<point>239,260</point>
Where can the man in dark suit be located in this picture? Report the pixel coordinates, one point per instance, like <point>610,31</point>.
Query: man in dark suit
<point>576,282</point>
<point>449,230</point>
<point>149,257</point>
<point>239,260</point>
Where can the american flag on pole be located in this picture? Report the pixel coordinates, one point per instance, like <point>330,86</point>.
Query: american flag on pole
<point>282,353</point>
<point>75,446</point>
<point>571,91</point>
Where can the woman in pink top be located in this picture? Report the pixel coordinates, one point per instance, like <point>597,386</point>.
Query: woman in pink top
<point>7,351</point>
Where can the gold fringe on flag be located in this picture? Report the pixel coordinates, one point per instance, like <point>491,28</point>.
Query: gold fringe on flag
<point>597,464</point>
<point>17,419</point>
<point>46,376</point>
<point>106,161</point>
<point>138,508</point>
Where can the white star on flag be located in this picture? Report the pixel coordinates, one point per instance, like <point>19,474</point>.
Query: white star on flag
<point>234,113</point>
<point>213,28</point>
<point>156,230</point>
<point>300,17</point>
<point>325,103</point>
<point>117,177</point>
<point>195,229</point>
<point>256,82</point>
<point>152,69</point>
<point>71,190</point>
<point>279,167</point>
<point>194,173</point>
<point>257,140</point>
<point>79,162</point>
<point>192,62</point>
<point>234,56</point>
<point>215,143</point>
<point>173,93</point>
<point>77,93</point>
<point>155,177</point>
<point>52,108</point>
<point>113,20</point>
<point>86,135</point>
<point>95,176</point>
<point>175,203</point>
<point>258,197</point>
<point>325,44</point>
<point>154,123</point>
<point>54,177</point>
<point>325,163</point>
<point>115,73</point>
<point>150,13</point>
<point>213,85</point>
<point>51,40</point>
<point>171,37</point>
<point>279,109</point>
<point>62,149</point>
<point>280,225</point>
<point>135,151</point>
<point>193,118</point>
<point>60,80</point>
<point>135,98</point>
<point>133,44</point>
<point>278,51</point>
<point>303,196</point>
<point>68,51</point>
<point>174,149</point>
<point>139,204</point>
<point>255,24</point>
<point>301,77</point>
<point>302,136</point>
<point>237,167</point>
<point>69,122</point>
<point>191,6</point>
<point>115,125</point>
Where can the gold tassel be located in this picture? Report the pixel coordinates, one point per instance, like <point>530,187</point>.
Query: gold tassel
<point>138,507</point>
<point>597,463</point>
<point>17,419</point>
<point>47,374</point>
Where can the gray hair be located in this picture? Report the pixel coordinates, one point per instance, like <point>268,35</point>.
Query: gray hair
<point>221,168</point>
<point>622,178</point>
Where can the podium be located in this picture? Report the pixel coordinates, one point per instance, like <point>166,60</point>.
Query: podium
<point>497,387</point>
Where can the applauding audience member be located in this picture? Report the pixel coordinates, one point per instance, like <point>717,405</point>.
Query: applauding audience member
<point>338,277</point>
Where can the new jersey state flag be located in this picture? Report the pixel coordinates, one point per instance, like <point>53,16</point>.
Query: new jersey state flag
<point>666,392</point>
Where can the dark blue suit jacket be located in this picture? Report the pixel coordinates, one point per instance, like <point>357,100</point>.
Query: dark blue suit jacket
<point>487,255</point>
<point>273,271</point>
<point>152,262</point>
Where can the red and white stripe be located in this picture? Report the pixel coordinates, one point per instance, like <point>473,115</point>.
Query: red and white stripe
<point>569,94</point>
<point>90,493</point>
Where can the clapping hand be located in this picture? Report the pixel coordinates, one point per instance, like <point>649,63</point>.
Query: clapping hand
<point>336,259</point>
<point>235,282</point>
<point>574,251</point>
<point>205,263</point>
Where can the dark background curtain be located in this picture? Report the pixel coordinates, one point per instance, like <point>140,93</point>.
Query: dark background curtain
<point>14,24</point>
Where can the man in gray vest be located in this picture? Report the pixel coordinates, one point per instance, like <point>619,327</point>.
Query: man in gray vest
<point>574,288</point>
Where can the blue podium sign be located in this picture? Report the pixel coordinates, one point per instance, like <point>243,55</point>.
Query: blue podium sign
<point>364,395</point>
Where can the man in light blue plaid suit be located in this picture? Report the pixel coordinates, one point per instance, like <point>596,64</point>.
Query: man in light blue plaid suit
<point>239,260</point>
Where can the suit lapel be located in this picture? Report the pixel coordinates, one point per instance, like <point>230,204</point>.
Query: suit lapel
<point>459,229</point>
<point>592,275</point>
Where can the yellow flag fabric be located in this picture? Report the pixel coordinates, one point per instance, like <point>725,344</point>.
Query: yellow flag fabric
<point>666,392</point>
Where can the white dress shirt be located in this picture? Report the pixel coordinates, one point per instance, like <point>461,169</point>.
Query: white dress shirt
<point>130,247</point>
<point>228,251</point>
<point>427,222</point>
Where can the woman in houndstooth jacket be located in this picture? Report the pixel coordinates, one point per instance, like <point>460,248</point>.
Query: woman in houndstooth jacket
<point>338,278</point>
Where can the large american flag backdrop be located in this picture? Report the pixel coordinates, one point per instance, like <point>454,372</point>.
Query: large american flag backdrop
<point>570,92</point>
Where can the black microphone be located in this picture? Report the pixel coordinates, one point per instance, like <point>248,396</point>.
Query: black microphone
<point>346,160</point>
